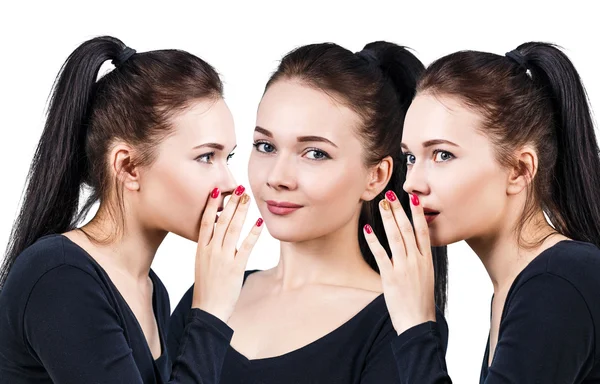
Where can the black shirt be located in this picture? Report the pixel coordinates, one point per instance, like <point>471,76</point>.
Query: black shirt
<point>548,330</point>
<point>359,351</point>
<point>63,321</point>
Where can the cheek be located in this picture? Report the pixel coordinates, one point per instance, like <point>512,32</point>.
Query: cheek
<point>472,204</point>
<point>174,197</point>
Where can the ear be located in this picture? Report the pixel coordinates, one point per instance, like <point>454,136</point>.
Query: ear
<point>379,177</point>
<point>123,167</point>
<point>522,174</point>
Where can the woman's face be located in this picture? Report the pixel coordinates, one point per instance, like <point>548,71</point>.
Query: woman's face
<point>306,170</point>
<point>453,170</point>
<point>190,163</point>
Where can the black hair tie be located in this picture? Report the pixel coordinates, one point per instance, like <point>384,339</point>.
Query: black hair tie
<point>518,58</point>
<point>369,56</point>
<point>125,54</point>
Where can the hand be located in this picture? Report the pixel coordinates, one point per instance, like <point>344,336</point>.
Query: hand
<point>219,266</point>
<point>408,277</point>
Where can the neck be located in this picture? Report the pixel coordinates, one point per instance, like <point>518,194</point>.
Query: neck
<point>505,253</point>
<point>333,259</point>
<point>129,247</point>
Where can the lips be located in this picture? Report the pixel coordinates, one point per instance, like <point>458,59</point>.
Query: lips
<point>282,208</point>
<point>430,214</point>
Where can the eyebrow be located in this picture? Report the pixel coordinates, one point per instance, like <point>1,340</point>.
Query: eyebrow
<point>300,139</point>
<point>430,143</point>
<point>220,147</point>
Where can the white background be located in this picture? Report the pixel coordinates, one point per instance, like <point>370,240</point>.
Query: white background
<point>244,41</point>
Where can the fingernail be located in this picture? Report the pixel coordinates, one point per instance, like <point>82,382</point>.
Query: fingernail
<point>259,222</point>
<point>239,190</point>
<point>415,200</point>
<point>244,199</point>
<point>391,196</point>
<point>385,205</point>
<point>368,229</point>
<point>215,193</point>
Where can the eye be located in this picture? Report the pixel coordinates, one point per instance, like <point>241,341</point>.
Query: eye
<point>442,156</point>
<point>264,147</point>
<point>206,158</point>
<point>410,158</point>
<point>229,157</point>
<point>317,154</point>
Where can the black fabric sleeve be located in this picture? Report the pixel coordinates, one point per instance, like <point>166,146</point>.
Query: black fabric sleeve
<point>75,332</point>
<point>546,336</point>
<point>380,365</point>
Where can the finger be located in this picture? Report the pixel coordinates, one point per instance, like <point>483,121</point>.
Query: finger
<point>232,234</point>
<point>381,257</point>
<point>421,227</point>
<point>406,228</point>
<point>392,231</point>
<point>243,254</point>
<point>227,215</point>
<point>207,222</point>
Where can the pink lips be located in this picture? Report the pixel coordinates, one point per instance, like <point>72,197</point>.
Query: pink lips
<point>281,208</point>
<point>430,214</point>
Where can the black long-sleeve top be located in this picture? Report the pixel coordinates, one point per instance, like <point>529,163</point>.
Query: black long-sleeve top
<point>359,351</point>
<point>63,321</point>
<point>548,329</point>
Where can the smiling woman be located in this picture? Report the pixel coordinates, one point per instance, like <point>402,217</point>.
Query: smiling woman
<point>326,147</point>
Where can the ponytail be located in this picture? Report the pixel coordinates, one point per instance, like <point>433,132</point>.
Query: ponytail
<point>401,70</point>
<point>59,166</point>
<point>573,205</point>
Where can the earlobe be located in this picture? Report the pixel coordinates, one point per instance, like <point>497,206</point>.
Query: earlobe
<point>378,179</point>
<point>523,172</point>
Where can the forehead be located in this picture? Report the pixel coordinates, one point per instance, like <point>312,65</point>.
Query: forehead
<point>432,117</point>
<point>290,108</point>
<point>207,120</point>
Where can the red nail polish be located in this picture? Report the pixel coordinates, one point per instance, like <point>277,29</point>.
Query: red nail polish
<point>368,229</point>
<point>239,190</point>
<point>391,196</point>
<point>215,193</point>
<point>259,222</point>
<point>415,200</point>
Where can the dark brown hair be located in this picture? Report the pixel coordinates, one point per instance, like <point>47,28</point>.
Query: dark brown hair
<point>132,103</point>
<point>379,84</point>
<point>534,98</point>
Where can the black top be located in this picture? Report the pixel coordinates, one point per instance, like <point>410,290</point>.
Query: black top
<point>63,321</point>
<point>547,330</point>
<point>359,351</point>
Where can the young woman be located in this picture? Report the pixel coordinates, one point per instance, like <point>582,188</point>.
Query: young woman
<point>150,140</point>
<point>501,152</point>
<point>327,146</point>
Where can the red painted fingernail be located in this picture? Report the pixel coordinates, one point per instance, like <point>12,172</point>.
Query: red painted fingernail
<point>215,193</point>
<point>391,196</point>
<point>415,200</point>
<point>368,229</point>
<point>259,222</point>
<point>239,190</point>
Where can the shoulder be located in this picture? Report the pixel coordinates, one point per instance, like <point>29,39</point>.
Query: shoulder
<point>569,267</point>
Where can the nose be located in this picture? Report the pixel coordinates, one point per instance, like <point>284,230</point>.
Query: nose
<point>283,174</point>
<point>228,183</point>
<point>416,182</point>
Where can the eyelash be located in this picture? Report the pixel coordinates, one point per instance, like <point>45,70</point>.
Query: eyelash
<point>210,155</point>
<point>258,143</point>
<point>435,153</point>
